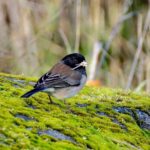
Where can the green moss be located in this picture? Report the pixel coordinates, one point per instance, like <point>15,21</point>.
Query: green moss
<point>22,119</point>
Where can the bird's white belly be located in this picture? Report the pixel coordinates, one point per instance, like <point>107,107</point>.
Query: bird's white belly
<point>69,91</point>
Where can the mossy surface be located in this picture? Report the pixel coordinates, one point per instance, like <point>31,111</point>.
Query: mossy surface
<point>89,120</point>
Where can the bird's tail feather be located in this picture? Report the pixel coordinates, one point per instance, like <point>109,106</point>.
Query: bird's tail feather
<point>30,93</point>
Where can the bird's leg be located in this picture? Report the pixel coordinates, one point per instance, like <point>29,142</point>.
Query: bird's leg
<point>64,101</point>
<point>67,106</point>
<point>51,102</point>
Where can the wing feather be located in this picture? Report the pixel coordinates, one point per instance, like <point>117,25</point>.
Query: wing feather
<point>59,76</point>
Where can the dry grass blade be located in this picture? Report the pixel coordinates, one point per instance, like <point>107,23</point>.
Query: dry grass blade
<point>139,49</point>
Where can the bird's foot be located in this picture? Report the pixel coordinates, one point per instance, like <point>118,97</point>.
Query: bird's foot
<point>50,100</point>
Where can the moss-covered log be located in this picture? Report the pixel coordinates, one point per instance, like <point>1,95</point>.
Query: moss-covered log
<point>96,118</point>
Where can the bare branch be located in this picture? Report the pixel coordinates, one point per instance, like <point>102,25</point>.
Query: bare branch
<point>114,32</point>
<point>139,49</point>
<point>78,13</point>
<point>96,50</point>
<point>66,42</point>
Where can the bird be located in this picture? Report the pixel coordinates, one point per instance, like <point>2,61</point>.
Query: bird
<point>64,79</point>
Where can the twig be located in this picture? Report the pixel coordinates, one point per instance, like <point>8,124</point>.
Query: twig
<point>96,50</point>
<point>114,32</point>
<point>139,49</point>
<point>66,42</point>
<point>78,12</point>
<point>44,27</point>
<point>147,74</point>
<point>116,28</point>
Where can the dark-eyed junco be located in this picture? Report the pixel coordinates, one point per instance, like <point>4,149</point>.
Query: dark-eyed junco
<point>64,80</point>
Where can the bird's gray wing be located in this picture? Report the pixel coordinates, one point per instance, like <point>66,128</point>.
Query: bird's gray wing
<point>60,76</point>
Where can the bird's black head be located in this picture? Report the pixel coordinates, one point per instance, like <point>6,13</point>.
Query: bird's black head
<point>74,60</point>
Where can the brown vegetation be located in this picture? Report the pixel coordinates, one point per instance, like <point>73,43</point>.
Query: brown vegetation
<point>113,35</point>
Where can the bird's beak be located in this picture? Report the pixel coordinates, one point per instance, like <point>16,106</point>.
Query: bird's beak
<point>84,64</point>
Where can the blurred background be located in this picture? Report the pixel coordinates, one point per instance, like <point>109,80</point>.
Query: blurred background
<point>113,35</point>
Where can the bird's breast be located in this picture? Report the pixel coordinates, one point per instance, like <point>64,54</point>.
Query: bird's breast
<point>69,91</point>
